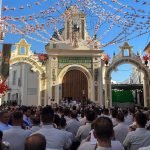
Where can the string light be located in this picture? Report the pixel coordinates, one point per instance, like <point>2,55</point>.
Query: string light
<point>110,14</point>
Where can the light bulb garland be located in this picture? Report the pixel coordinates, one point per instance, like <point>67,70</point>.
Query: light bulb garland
<point>132,20</point>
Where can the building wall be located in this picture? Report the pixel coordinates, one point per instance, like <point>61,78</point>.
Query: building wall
<point>24,86</point>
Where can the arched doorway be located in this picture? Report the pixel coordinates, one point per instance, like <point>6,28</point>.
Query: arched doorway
<point>119,59</point>
<point>75,85</point>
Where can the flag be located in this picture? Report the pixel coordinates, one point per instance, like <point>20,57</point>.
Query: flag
<point>6,53</point>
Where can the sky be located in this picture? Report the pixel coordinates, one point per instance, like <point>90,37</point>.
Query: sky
<point>105,18</point>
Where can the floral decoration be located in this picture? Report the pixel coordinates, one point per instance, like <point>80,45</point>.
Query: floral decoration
<point>3,87</point>
<point>146,57</point>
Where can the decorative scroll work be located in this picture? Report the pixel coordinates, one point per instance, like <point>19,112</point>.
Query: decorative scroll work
<point>27,60</point>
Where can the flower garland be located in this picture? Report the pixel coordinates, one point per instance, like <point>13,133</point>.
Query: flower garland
<point>119,14</point>
<point>146,57</point>
<point>42,57</point>
<point>3,87</point>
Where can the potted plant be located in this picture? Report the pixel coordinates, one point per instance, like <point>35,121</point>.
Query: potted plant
<point>3,87</point>
<point>106,59</point>
<point>146,58</point>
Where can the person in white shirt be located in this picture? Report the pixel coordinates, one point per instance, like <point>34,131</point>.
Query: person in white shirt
<point>84,130</point>
<point>128,119</point>
<point>36,124</point>
<point>148,121</point>
<point>114,113</point>
<point>103,132</point>
<point>73,125</point>
<point>62,126</point>
<point>26,117</point>
<point>16,136</point>
<point>105,113</point>
<point>55,138</point>
<point>4,119</point>
<point>35,142</point>
<point>67,114</point>
<point>145,148</point>
<point>140,137</point>
<point>121,129</point>
<point>82,118</point>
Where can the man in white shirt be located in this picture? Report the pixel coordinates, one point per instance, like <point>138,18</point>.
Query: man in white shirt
<point>145,148</point>
<point>128,118</point>
<point>82,117</point>
<point>55,139</point>
<point>36,124</point>
<point>103,132</point>
<point>67,114</point>
<point>4,119</point>
<point>114,113</point>
<point>62,126</point>
<point>105,113</point>
<point>84,130</point>
<point>140,137</point>
<point>26,117</point>
<point>16,136</point>
<point>73,125</point>
<point>121,129</point>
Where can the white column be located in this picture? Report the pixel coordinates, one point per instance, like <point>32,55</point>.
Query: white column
<point>146,89</point>
<point>49,91</point>
<point>57,93</point>
<point>39,93</point>
<point>138,97</point>
<point>49,81</point>
<point>45,92</point>
<point>100,95</point>
<point>108,94</point>
<point>92,91</point>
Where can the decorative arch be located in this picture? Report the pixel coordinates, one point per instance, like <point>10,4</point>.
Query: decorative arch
<point>82,69</point>
<point>74,67</point>
<point>131,59</point>
<point>25,59</point>
<point>28,57</point>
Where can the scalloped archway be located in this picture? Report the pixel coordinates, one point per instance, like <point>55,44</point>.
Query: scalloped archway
<point>28,57</point>
<point>131,59</point>
<point>84,71</point>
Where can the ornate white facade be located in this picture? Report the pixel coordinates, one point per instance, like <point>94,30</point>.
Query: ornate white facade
<point>72,51</point>
<point>26,81</point>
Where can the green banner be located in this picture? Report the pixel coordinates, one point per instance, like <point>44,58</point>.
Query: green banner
<point>125,96</point>
<point>6,53</point>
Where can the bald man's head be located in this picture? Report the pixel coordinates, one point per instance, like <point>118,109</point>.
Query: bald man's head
<point>35,142</point>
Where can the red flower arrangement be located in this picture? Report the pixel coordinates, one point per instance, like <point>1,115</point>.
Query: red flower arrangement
<point>146,57</point>
<point>3,87</point>
<point>42,57</point>
<point>106,58</point>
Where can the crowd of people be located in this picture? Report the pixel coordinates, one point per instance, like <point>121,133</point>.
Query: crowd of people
<point>74,128</point>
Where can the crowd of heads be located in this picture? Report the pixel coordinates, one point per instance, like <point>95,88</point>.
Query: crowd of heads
<point>103,126</point>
